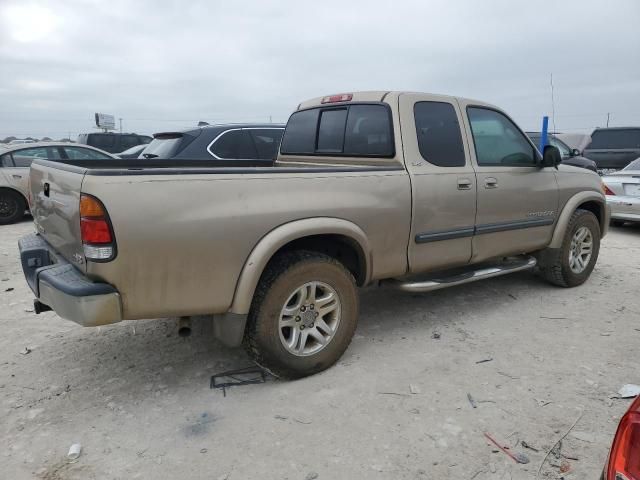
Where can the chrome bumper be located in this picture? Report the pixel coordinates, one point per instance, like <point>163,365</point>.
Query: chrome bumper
<point>57,284</point>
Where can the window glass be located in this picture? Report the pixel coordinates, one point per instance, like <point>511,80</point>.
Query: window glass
<point>162,147</point>
<point>368,131</point>
<point>439,137</point>
<point>267,141</point>
<point>79,153</point>
<point>144,139</point>
<point>635,165</point>
<point>234,144</point>
<point>564,150</point>
<point>498,141</point>
<point>103,141</point>
<point>23,158</point>
<point>5,160</point>
<point>300,134</point>
<point>128,141</point>
<point>625,138</point>
<point>331,131</point>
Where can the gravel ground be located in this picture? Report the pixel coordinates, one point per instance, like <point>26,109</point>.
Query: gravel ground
<point>137,396</point>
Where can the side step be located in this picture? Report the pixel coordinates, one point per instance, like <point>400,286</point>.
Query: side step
<point>458,276</point>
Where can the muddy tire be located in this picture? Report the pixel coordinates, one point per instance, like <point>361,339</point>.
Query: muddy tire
<point>303,315</point>
<point>12,207</point>
<point>572,263</point>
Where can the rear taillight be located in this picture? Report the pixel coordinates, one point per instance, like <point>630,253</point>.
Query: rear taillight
<point>606,190</point>
<point>98,242</point>
<point>624,458</point>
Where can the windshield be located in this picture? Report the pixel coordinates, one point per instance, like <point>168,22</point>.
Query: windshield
<point>132,150</point>
<point>162,147</point>
<point>635,165</point>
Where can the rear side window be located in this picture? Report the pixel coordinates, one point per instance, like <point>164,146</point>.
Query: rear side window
<point>128,141</point>
<point>234,144</point>
<point>163,146</point>
<point>612,139</point>
<point>266,141</point>
<point>102,141</point>
<point>79,153</point>
<point>439,137</point>
<point>354,130</point>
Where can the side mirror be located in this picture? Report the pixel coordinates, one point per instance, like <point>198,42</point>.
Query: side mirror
<point>575,152</point>
<point>551,157</point>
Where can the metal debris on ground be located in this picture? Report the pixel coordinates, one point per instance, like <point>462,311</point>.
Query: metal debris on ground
<point>435,336</point>
<point>10,289</point>
<point>629,391</point>
<point>515,456</point>
<point>484,360</point>
<point>414,389</point>
<point>558,442</point>
<point>236,378</point>
<point>25,351</point>
<point>472,401</point>
<point>530,447</point>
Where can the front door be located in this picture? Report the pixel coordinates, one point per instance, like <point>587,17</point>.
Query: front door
<point>443,182</point>
<point>517,200</point>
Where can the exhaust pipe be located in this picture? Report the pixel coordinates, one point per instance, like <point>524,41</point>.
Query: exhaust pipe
<point>184,326</point>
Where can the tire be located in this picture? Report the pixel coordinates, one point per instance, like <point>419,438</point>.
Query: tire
<point>12,207</point>
<point>278,302</point>
<point>555,264</point>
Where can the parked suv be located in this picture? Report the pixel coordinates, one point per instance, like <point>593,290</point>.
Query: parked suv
<point>613,148</point>
<point>15,161</point>
<point>113,142</point>
<point>246,144</point>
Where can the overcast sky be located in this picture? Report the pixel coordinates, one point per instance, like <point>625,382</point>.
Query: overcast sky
<point>163,65</point>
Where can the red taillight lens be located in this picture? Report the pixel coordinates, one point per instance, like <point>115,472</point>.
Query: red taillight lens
<point>95,231</point>
<point>343,97</point>
<point>607,190</point>
<point>624,458</point>
<point>97,237</point>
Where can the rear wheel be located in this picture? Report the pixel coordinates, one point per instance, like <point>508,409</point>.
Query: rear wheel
<point>572,263</point>
<point>303,315</point>
<point>12,207</point>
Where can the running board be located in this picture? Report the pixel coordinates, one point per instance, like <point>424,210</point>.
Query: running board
<point>440,280</point>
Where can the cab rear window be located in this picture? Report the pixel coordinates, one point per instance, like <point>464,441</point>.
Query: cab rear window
<point>357,130</point>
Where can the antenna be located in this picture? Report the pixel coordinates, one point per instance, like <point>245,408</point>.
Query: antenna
<point>608,114</point>
<point>553,107</point>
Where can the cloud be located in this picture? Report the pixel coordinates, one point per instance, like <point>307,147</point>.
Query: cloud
<point>167,64</point>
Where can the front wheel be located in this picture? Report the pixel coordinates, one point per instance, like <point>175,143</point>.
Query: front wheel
<point>572,263</point>
<point>303,315</point>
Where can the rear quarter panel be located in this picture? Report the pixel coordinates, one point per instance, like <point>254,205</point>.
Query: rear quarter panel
<point>183,239</point>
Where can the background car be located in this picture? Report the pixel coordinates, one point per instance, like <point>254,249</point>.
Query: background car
<point>622,190</point>
<point>249,144</point>
<point>613,148</point>
<point>578,141</point>
<point>15,161</point>
<point>133,152</point>
<point>623,462</point>
<point>570,156</point>
<point>113,142</point>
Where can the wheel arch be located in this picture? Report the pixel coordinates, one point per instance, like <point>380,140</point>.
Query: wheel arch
<point>592,201</point>
<point>336,237</point>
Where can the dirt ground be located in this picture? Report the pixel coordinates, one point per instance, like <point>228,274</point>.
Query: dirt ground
<point>137,396</point>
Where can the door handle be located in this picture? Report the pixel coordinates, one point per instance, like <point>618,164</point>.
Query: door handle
<point>464,184</point>
<point>490,182</point>
<point>16,176</point>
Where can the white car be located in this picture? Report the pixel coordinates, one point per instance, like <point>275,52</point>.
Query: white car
<point>622,190</point>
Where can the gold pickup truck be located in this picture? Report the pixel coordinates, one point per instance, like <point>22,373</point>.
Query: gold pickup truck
<point>412,190</point>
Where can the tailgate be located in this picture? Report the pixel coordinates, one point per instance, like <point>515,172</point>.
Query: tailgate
<point>55,197</point>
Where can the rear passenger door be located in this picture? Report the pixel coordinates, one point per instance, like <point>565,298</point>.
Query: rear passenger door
<point>442,180</point>
<point>517,200</point>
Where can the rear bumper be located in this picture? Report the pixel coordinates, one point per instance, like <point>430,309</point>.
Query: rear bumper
<point>59,285</point>
<point>624,207</point>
